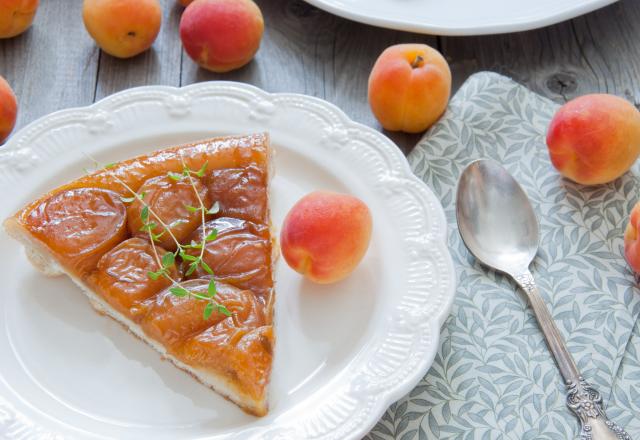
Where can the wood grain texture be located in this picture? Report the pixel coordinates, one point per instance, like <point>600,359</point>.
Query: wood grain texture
<point>599,52</point>
<point>308,51</point>
<point>53,65</point>
<point>159,65</point>
<point>56,65</point>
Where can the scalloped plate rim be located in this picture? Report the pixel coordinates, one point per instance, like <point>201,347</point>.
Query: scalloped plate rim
<point>388,396</point>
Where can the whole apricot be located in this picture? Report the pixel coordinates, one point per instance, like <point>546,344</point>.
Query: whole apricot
<point>16,16</point>
<point>594,138</point>
<point>409,87</point>
<point>325,235</point>
<point>122,28</point>
<point>632,240</point>
<point>8,109</point>
<point>221,35</point>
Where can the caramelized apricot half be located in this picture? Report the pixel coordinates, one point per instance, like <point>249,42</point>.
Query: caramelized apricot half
<point>123,277</point>
<point>241,192</point>
<point>80,224</point>
<point>173,201</point>
<point>240,255</point>
<point>245,353</point>
<point>171,320</point>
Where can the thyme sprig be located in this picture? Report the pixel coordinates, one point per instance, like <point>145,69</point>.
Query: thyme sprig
<point>147,215</point>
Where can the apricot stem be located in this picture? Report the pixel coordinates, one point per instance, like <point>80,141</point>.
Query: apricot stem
<point>202,207</point>
<point>417,62</point>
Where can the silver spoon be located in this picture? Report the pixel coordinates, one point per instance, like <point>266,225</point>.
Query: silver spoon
<point>498,226</point>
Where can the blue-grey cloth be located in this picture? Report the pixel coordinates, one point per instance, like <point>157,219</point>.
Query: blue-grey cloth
<point>493,377</point>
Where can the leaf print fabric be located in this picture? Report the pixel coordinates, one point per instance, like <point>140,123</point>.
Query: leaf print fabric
<point>493,377</point>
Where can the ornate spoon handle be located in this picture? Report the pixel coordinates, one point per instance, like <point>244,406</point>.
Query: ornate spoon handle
<point>582,398</point>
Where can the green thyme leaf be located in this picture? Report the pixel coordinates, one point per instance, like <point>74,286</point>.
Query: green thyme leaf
<point>192,268</point>
<point>148,226</point>
<point>214,209</point>
<point>201,171</point>
<point>110,165</point>
<point>144,214</point>
<point>156,237</point>
<point>179,291</point>
<point>212,288</point>
<point>142,195</point>
<point>208,310</point>
<point>175,176</point>
<point>206,267</point>
<point>127,199</point>
<point>188,257</point>
<point>222,309</point>
<point>212,235</point>
<point>191,208</point>
<point>168,259</point>
<point>153,275</point>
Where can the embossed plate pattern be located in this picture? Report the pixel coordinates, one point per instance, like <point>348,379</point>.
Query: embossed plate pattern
<point>344,352</point>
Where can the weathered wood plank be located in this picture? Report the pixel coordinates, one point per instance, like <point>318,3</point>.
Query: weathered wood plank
<point>599,52</point>
<point>53,65</point>
<point>309,51</point>
<point>306,50</point>
<point>158,66</point>
<point>609,45</point>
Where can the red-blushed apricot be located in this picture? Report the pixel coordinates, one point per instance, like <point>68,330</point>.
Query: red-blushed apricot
<point>122,28</point>
<point>8,109</point>
<point>173,201</point>
<point>221,35</point>
<point>325,235</point>
<point>632,240</point>
<point>409,87</point>
<point>594,139</point>
<point>16,16</point>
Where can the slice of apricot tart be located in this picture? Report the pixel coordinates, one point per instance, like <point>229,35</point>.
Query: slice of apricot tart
<point>176,246</point>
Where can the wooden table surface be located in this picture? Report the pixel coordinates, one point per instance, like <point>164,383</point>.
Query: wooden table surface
<point>56,65</point>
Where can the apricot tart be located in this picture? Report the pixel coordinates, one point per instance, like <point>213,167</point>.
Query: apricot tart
<point>176,246</point>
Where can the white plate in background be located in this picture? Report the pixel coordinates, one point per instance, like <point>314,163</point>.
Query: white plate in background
<point>460,17</point>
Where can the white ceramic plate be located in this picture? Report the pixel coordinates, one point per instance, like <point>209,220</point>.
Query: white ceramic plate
<point>460,17</point>
<point>343,352</point>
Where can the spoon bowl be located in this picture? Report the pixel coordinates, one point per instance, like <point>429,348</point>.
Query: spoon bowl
<point>495,218</point>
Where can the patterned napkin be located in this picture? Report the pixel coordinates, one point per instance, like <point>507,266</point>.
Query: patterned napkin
<point>493,377</point>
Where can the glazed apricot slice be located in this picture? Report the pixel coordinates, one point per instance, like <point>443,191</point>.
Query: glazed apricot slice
<point>168,199</point>
<point>241,192</point>
<point>242,352</point>
<point>122,276</point>
<point>240,255</point>
<point>80,225</point>
<point>171,320</point>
